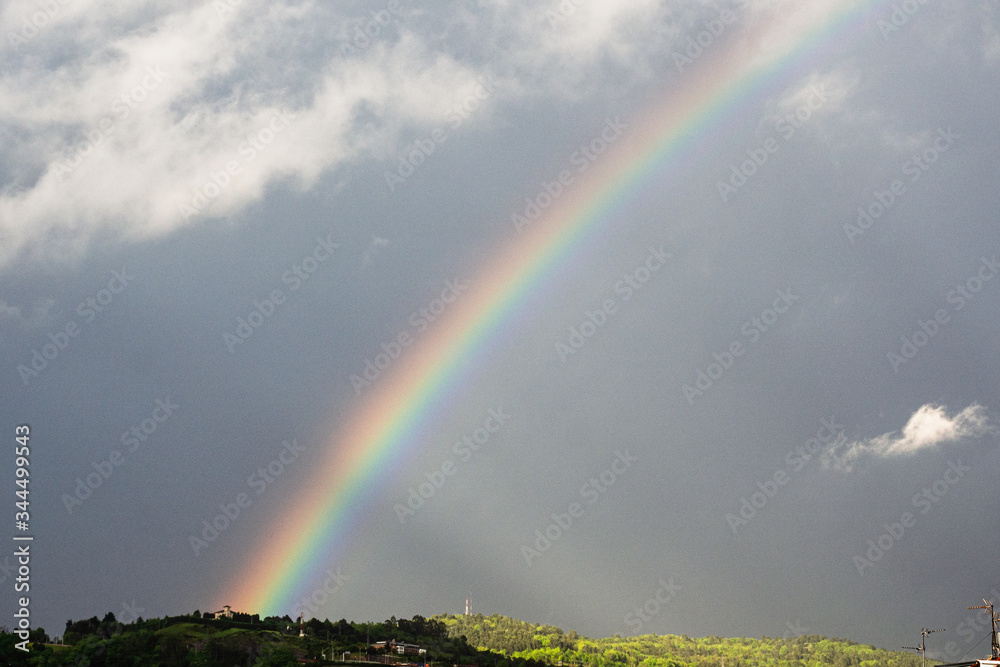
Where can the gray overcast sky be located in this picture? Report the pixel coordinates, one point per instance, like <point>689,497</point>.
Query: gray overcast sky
<point>801,399</point>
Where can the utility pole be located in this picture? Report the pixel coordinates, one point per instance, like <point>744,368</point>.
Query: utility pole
<point>987,606</point>
<point>923,634</point>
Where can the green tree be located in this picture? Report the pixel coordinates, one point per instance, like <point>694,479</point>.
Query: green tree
<point>276,657</point>
<point>9,653</point>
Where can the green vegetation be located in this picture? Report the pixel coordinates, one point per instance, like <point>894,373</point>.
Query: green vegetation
<point>488,641</point>
<point>548,644</point>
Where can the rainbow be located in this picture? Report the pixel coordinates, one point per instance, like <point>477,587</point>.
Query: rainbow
<point>738,69</point>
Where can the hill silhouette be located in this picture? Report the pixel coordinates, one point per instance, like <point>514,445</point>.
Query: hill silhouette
<point>197,640</point>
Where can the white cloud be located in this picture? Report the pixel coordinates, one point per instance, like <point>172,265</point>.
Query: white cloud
<point>815,96</point>
<point>39,313</point>
<point>893,137</point>
<point>991,33</point>
<point>992,49</point>
<point>9,312</point>
<point>835,87</point>
<point>373,247</point>
<point>928,427</point>
<point>99,145</point>
<point>89,162</point>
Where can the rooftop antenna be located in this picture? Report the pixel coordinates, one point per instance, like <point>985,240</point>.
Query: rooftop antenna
<point>987,606</point>
<point>923,634</point>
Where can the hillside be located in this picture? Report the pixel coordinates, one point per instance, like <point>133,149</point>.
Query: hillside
<point>551,645</point>
<point>488,641</point>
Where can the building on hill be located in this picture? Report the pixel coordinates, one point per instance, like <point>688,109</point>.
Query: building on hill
<point>402,648</point>
<point>226,612</point>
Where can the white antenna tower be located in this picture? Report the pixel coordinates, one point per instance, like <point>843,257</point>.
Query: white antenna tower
<point>466,606</point>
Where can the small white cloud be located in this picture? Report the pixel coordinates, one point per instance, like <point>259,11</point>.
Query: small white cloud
<point>929,427</point>
<point>991,44</point>
<point>9,312</point>
<point>893,137</point>
<point>992,50</point>
<point>377,242</point>
<point>39,313</point>
<point>826,92</point>
<point>814,96</point>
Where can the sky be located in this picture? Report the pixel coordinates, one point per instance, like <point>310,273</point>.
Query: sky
<point>628,317</point>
